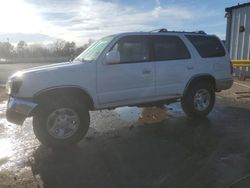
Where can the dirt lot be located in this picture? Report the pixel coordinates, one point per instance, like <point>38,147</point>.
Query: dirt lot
<point>3,94</point>
<point>138,147</point>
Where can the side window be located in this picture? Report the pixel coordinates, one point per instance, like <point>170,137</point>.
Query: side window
<point>133,49</point>
<point>207,46</point>
<point>169,48</point>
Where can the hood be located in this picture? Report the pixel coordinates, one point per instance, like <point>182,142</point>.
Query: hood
<point>46,68</point>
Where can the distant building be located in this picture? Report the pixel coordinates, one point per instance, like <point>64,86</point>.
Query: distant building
<point>238,31</point>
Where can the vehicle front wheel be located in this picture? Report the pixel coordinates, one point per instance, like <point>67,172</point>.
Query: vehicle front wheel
<point>61,125</point>
<point>199,99</point>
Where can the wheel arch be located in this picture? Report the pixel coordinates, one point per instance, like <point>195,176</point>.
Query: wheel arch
<point>198,78</point>
<point>63,92</point>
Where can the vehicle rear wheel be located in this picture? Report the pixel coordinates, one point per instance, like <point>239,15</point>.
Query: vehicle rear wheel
<point>199,99</point>
<point>61,124</point>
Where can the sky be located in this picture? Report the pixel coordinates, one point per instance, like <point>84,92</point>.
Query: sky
<point>43,21</point>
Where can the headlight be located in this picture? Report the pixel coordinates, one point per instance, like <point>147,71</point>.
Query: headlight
<point>13,85</point>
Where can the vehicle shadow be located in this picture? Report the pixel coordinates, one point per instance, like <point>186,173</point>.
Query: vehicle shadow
<point>174,153</point>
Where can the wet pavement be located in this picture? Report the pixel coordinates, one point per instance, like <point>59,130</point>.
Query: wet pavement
<point>138,147</point>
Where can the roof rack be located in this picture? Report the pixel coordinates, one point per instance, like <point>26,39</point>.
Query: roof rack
<point>160,30</point>
<point>199,32</point>
<point>165,30</point>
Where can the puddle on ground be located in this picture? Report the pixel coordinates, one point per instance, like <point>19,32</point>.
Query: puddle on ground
<point>16,142</point>
<point>130,114</point>
<point>11,142</point>
<point>8,154</point>
<point>6,148</point>
<point>175,109</point>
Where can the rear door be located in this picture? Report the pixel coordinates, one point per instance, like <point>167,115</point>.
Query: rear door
<point>174,66</point>
<point>131,80</point>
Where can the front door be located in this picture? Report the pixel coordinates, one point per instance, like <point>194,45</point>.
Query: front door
<point>130,81</point>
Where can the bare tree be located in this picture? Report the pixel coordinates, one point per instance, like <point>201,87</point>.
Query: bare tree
<point>69,49</point>
<point>22,45</point>
<point>58,46</point>
<point>6,50</point>
<point>37,50</point>
<point>22,48</point>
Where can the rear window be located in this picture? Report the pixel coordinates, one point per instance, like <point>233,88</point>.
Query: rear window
<point>207,46</point>
<point>169,48</point>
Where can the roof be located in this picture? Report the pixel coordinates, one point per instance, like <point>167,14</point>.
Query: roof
<point>159,33</point>
<point>229,9</point>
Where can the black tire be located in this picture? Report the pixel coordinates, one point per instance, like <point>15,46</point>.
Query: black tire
<point>188,104</point>
<point>41,130</point>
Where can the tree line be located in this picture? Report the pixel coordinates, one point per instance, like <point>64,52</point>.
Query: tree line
<point>59,48</point>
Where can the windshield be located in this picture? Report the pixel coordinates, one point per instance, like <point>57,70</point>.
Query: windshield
<point>94,50</point>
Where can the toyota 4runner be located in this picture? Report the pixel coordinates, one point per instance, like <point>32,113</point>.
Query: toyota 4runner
<point>128,69</point>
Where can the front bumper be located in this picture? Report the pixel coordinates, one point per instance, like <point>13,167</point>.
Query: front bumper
<point>19,109</point>
<point>224,84</point>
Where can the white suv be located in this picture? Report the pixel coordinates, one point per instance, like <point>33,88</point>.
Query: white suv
<point>128,69</point>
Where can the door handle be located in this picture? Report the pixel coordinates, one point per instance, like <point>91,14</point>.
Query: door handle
<point>190,67</point>
<point>146,71</point>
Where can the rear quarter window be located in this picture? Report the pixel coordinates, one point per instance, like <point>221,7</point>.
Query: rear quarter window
<point>207,46</point>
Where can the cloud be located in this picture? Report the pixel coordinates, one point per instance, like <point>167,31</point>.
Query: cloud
<point>83,19</point>
<point>79,20</point>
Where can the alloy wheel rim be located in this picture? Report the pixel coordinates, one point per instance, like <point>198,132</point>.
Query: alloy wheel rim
<point>202,99</point>
<point>63,123</point>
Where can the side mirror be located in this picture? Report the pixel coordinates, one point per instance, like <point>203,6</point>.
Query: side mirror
<point>113,57</point>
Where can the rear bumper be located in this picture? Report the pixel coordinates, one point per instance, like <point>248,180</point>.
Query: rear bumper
<point>18,110</point>
<point>224,84</point>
